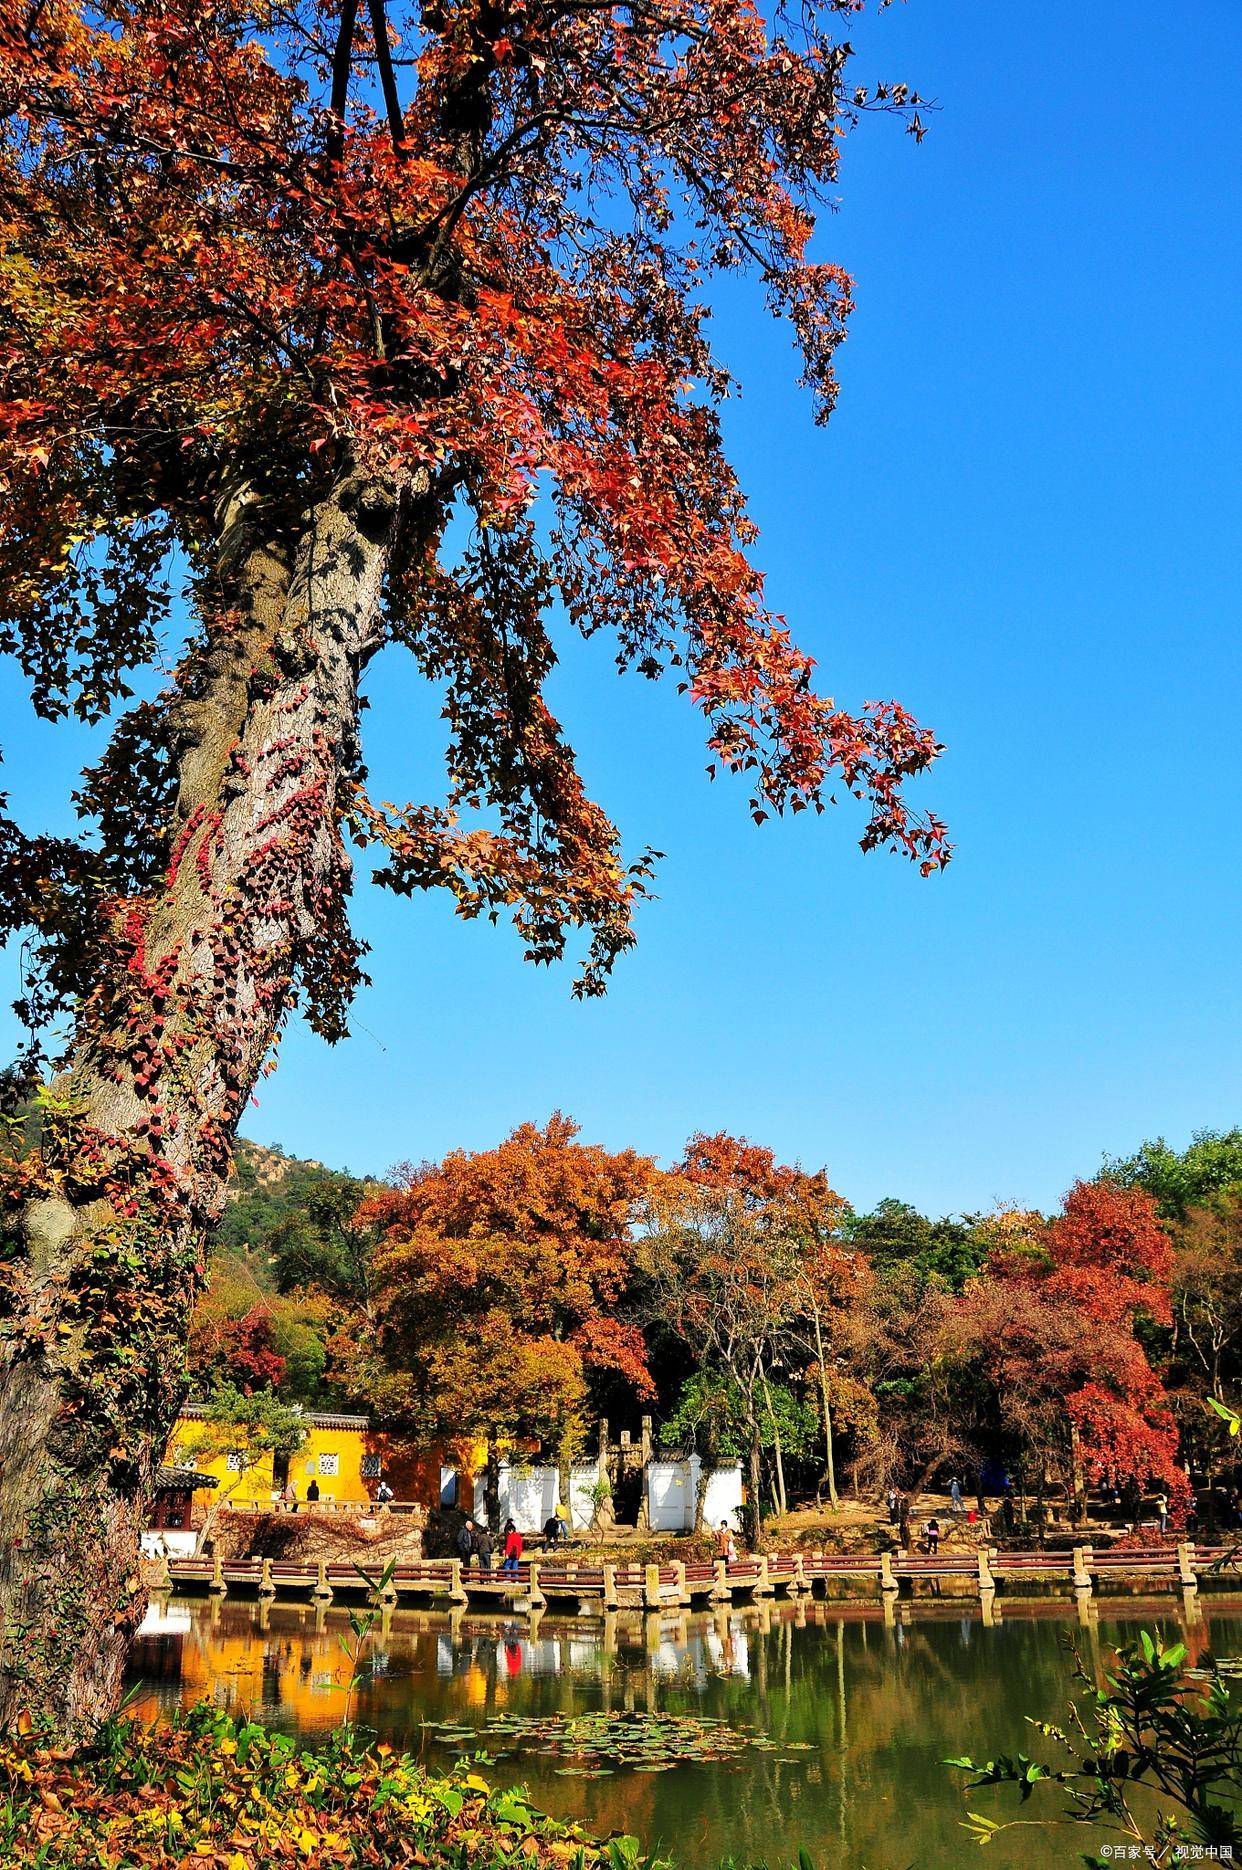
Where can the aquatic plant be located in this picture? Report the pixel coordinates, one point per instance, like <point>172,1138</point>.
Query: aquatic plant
<point>599,1743</point>
<point>1153,1755</point>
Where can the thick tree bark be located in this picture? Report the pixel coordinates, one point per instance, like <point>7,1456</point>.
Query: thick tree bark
<point>104,1250</point>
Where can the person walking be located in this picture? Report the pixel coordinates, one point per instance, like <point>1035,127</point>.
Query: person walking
<point>1162,1512</point>
<point>465,1542</point>
<point>312,1492</point>
<point>513,1549</point>
<point>483,1546</point>
<point>892,1497</point>
<point>724,1539</point>
<point>290,1497</point>
<point>933,1537</point>
<point>955,1496</point>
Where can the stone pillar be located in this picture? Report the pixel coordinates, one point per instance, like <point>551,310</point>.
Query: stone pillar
<point>457,1590</point>
<point>721,1591</point>
<point>763,1583</point>
<point>987,1582</point>
<point>644,1508</point>
<point>1188,1578</point>
<point>651,1587</point>
<point>888,1582</point>
<point>218,1587</point>
<point>611,1600</point>
<point>322,1593</point>
<point>679,1576</point>
<point>267,1585</point>
<point>1082,1568</point>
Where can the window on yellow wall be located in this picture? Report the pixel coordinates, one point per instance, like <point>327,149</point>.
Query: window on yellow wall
<point>329,1464</point>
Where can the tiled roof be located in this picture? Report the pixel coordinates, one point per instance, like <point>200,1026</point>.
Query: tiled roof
<point>177,1479</point>
<point>314,1418</point>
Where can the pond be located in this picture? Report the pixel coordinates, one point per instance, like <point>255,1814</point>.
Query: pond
<point>861,1711</point>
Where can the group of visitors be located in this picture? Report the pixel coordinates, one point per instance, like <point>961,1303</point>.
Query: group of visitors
<point>289,1494</point>
<point>474,1545</point>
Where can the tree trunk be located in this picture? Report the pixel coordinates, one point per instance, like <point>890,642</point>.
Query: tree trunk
<point>756,1511</point>
<point>491,1485</point>
<point>1078,1485</point>
<point>780,1499</point>
<point>830,1465</point>
<point>105,1244</point>
<point>565,1481</point>
<point>219,1500</point>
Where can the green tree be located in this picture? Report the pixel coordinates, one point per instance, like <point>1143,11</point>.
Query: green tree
<point>322,1243</point>
<point>245,1430</point>
<point>949,1250</point>
<point>1182,1179</point>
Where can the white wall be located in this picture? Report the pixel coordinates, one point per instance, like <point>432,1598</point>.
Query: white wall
<point>168,1544</point>
<point>724,1496</point>
<point>672,1493</point>
<point>528,1496</point>
<point>582,1482</point>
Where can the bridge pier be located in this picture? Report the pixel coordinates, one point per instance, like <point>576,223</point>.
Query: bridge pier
<point>534,1600</point>
<point>457,1593</point>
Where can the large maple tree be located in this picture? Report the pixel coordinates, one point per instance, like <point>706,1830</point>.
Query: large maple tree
<point>285,287</point>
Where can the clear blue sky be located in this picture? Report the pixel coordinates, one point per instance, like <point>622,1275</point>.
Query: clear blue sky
<point>1024,522</point>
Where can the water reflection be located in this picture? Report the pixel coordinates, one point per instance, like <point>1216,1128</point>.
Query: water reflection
<point>877,1698</point>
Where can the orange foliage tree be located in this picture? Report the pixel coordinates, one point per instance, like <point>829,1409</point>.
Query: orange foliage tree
<point>284,290</point>
<point>499,1281</point>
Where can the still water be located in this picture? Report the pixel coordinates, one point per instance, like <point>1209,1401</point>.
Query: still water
<point>871,1709</point>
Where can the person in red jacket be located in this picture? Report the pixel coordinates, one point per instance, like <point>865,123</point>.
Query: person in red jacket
<point>513,1548</point>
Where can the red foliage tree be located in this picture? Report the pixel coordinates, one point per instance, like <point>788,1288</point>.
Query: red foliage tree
<point>281,292</point>
<point>1051,1321</point>
<point>241,1351</point>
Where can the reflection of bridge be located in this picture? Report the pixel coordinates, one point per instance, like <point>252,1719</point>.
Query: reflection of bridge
<point>608,1587</point>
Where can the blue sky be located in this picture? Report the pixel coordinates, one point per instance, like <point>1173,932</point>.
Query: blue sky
<point>1023,521</point>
